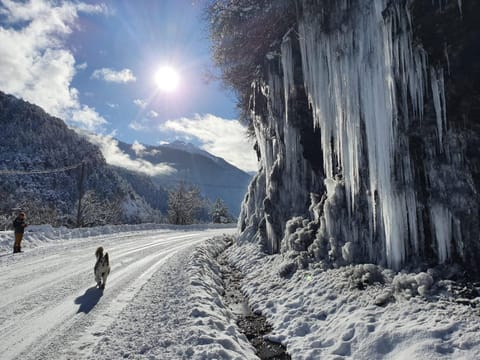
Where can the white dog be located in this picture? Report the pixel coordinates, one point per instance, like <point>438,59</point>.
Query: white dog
<point>102,268</point>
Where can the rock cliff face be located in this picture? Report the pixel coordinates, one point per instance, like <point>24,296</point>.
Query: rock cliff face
<point>367,126</point>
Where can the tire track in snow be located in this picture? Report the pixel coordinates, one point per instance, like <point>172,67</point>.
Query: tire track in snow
<point>49,274</point>
<point>77,277</point>
<point>46,320</point>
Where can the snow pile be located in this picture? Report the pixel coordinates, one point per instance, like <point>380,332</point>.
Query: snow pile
<point>215,334</point>
<point>357,311</point>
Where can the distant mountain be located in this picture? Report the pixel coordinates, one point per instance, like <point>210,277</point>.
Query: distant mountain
<point>40,170</point>
<point>156,196</point>
<point>215,177</point>
<point>190,148</point>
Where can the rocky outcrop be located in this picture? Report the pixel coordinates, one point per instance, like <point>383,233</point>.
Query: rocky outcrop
<point>366,121</point>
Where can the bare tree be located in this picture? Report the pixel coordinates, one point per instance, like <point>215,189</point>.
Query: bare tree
<point>96,211</point>
<point>243,32</point>
<point>184,202</point>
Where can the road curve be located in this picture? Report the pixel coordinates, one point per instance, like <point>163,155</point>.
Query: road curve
<point>49,303</point>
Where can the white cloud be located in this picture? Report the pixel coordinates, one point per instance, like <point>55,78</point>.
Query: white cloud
<point>86,117</point>
<point>82,66</point>
<point>114,156</point>
<point>34,61</point>
<point>141,150</point>
<point>224,138</point>
<point>152,114</point>
<point>137,126</point>
<point>138,148</point>
<point>112,105</point>
<point>110,75</point>
<point>140,103</point>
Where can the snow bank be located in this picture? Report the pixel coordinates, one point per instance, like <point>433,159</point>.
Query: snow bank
<point>40,235</point>
<point>357,311</point>
<point>217,335</point>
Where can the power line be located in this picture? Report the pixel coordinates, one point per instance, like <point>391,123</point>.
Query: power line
<point>66,168</point>
<point>31,172</point>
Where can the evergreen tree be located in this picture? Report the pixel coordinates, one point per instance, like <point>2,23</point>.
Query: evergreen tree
<point>220,214</point>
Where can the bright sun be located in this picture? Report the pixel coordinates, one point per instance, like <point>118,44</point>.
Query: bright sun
<point>167,79</point>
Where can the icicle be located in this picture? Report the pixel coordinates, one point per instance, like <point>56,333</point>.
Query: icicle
<point>447,58</point>
<point>287,67</point>
<point>438,93</point>
<point>357,76</point>
<point>460,7</point>
<point>442,228</point>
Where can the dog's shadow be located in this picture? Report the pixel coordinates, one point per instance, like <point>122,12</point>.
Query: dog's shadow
<point>88,300</point>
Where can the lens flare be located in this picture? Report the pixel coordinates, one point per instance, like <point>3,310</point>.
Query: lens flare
<point>167,79</point>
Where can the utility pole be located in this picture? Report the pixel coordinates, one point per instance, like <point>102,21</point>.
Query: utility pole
<point>80,195</point>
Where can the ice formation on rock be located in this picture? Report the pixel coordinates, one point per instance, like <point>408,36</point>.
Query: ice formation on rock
<point>378,109</point>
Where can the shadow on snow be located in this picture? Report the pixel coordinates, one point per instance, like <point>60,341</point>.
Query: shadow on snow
<point>88,300</point>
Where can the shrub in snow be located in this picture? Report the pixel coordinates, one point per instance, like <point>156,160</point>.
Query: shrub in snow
<point>292,261</point>
<point>299,234</point>
<point>384,298</point>
<point>365,274</point>
<point>319,247</point>
<point>287,269</point>
<point>406,284</point>
<point>424,282</point>
<point>412,284</point>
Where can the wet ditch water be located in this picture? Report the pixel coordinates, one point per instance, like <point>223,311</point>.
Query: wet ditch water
<point>253,325</point>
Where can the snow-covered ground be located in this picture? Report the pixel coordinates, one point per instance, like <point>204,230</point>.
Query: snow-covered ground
<point>332,314</point>
<point>163,301</point>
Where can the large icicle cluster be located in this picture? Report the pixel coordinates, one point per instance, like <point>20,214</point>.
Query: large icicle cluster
<point>369,88</point>
<point>350,73</point>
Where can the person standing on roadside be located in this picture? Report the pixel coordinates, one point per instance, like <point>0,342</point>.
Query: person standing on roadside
<point>19,226</point>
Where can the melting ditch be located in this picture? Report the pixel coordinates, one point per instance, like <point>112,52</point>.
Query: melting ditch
<point>253,325</point>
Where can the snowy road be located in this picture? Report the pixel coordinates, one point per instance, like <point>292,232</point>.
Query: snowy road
<point>49,305</point>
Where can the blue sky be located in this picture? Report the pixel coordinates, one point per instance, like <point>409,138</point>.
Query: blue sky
<point>92,63</point>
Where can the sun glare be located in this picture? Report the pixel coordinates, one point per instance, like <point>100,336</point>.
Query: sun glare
<point>167,79</point>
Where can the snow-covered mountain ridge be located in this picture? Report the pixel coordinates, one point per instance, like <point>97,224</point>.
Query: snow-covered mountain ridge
<point>40,163</point>
<point>181,145</point>
<point>215,177</point>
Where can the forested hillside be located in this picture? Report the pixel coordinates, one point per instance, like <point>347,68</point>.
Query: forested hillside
<point>40,171</point>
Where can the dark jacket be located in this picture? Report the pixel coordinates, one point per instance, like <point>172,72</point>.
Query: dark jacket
<point>19,225</point>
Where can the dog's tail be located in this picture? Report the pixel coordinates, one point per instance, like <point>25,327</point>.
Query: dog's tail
<point>99,252</point>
